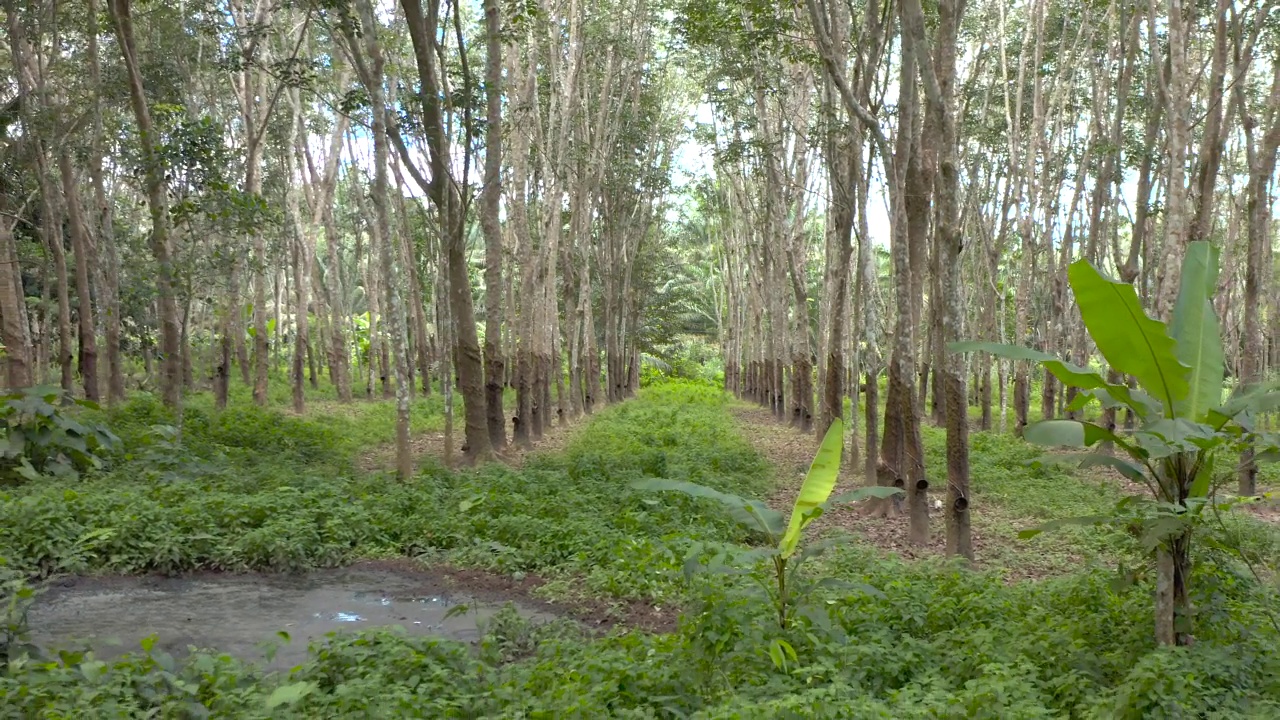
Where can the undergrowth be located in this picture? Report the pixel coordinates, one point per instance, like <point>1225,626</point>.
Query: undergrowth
<point>255,489</point>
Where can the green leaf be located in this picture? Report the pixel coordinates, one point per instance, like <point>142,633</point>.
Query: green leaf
<point>1162,529</point>
<point>1203,481</point>
<point>25,469</point>
<point>1064,522</point>
<point>1132,342</point>
<point>862,493</point>
<point>1195,328</point>
<point>93,670</point>
<point>1178,435</point>
<point>1070,375</point>
<point>1068,433</point>
<point>817,487</point>
<point>1100,459</point>
<point>1091,383</point>
<point>289,694</point>
<point>1264,397</point>
<point>751,513</point>
<point>1012,352</point>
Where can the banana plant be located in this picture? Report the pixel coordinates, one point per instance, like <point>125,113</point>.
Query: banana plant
<point>783,553</point>
<point>1185,427</point>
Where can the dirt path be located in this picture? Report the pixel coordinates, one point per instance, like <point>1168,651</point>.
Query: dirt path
<point>790,452</point>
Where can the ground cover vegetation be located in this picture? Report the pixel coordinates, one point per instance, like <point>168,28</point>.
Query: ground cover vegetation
<point>892,638</point>
<point>286,285</point>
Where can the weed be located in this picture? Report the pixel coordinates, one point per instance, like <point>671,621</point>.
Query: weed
<point>939,641</point>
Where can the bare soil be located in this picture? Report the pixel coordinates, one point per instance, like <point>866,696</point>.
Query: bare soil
<point>790,452</point>
<point>431,444</point>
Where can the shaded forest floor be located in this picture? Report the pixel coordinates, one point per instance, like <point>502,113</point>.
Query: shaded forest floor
<point>428,445</point>
<point>634,631</point>
<point>1011,490</point>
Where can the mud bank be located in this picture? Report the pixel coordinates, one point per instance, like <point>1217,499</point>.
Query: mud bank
<point>241,614</point>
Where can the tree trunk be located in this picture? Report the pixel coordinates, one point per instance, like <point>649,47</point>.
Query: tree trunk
<point>490,202</point>
<point>301,262</point>
<point>157,201</point>
<point>109,275</point>
<point>445,195</point>
<point>939,83</point>
<point>339,351</point>
<point>1177,96</point>
<point>84,259</point>
<point>13,333</point>
<point>1262,165</point>
<point>387,248</point>
<point>1173,606</point>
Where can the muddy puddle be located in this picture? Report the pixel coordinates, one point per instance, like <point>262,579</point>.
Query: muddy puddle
<point>238,614</point>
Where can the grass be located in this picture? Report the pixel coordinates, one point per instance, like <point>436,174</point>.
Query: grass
<point>259,489</point>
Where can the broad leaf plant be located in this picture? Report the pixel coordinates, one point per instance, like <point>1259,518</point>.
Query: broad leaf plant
<point>784,553</point>
<point>1187,440</point>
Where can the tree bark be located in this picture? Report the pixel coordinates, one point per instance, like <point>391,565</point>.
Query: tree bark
<point>1262,166</point>
<point>84,260</point>
<point>490,203</point>
<point>108,286</point>
<point>387,252</point>
<point>939,83</point>
<point>446,196</point>
<point>13,333</point>
<point>157,202</point>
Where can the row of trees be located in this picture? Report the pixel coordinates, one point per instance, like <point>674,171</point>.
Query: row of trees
<point>479,193</point>
<point>988,146</point>
<point>359,183</point>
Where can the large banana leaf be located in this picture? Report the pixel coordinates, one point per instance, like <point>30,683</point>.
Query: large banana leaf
<point>1195,328</point>
<point>1069,433</point>
<point>817,487</point>
<point>1013,352</point>
<point>1100,459</point>
<point>1132,342</point>
<point>1070,375</point>
<point>751,513</point>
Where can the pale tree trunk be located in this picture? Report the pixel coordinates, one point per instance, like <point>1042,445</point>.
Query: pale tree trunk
<point>1172,555</point>
<point>1176,92</point>
<point>157,201</point>
<point>261,340</point>
<point>377,371</point>
<point>490,203</point>
<point>84,259</point>
<point>1214,136</point>
<point>53,239</point>
<point>445,194</point>
<point>108,286</point>
<point>322,214</point>
<point>901,457</point>
<point>1262,165</point>
<point>373,77</point>
<point>301,259</point>
<point>32,100</point>
<point>903,412</point>
<point>844,158</point>
<point>1023,177</point>
<point>409,258</point>
<point>13,332</point>
<point>444,323</point>
<point>939,84</point>
<point>522,100</point>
